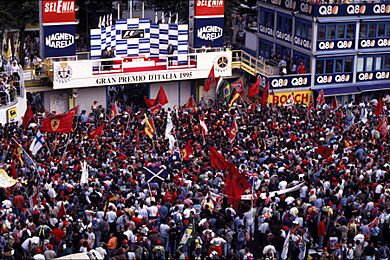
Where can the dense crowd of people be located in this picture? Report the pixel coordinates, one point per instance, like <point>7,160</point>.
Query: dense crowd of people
<point>340,209</point>
<point>9,87</point>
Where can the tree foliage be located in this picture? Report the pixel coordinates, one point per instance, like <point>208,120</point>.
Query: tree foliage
<point>17,14</point>
<point>173,6</point>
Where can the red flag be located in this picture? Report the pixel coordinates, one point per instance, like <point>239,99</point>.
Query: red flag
<point>61,123</point>
<point>149,102</point>
<point>233,131</point>
<point>335,103</point>
<point>114,111</point>
<point>320,99</point>
<point>137,137</point>
<point>255,88</point>
<point>311,104</point>
<point>190,103</point>
<point>324,151</point>
<point>379,108</point>
<point>216,159</point>
<point>28,115</point>
<point>235,185</point>
<point>238,85</point>
<point>210,80</point>
<point>61,211</point>
<point>161,97</point>
<point>155,109</point>
<point>97,132</point>
<point>187,151</point>
<point>382,127</point>
<point>74,110</point>
<point>264,96</point>
<point>13,169</point>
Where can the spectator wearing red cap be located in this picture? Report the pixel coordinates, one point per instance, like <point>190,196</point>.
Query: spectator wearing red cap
<point>49,252</point>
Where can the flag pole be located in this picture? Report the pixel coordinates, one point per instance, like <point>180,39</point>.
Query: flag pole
<point>29,157</point>
<point>6,153</point>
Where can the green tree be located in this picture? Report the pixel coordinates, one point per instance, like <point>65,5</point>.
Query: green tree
<point>173,6</point>
<point>15,15</point>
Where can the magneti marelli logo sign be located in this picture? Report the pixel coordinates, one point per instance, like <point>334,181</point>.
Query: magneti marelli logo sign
<point>210,32</point>
<point>59,40</point>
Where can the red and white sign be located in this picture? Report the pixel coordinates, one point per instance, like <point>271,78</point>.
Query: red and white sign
<point>58,11</point>
<point>209,7</point>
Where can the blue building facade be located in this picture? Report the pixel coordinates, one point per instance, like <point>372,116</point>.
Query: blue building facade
<point>345,48</point>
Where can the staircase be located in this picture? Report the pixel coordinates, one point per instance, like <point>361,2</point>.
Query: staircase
<point>243,60</point>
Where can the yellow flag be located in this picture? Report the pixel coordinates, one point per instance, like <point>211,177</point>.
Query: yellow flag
<point>149,127</point>
<point>5,180</point>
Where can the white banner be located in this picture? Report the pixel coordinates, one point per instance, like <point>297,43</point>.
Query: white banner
<point>92,73</point>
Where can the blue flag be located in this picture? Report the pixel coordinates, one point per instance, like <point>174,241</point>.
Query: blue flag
<point>155,174</point>
<point>175,157</point>
<point>350,118</point>
<point>28,160</point>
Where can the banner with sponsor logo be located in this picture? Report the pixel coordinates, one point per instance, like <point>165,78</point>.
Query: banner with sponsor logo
<point>58,11</point>
<point>209,7</point>
<point>279,98</point>
<point>59,40</point>
<point>370,76</point>
<point>209,31</point>
<point>290,81</point>
<point>335,45</point>
<point>333,79</point>
<point>352,9</point>
<point>12,114</point>
<point>374,43</point>
<point>78,74</point>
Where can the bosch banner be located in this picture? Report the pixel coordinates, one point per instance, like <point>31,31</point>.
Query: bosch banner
<point>209,32</point>
<point>58,11</point>
<point>209,7</point>
<point>59,40</point>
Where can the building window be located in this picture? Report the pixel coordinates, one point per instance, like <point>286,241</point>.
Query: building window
<point>321,32</point>
<point>267,18</point>
<point>374,30</point>
<point>360,65</point>
<point>303,29</point>
<point>350,31</point>
<point>298,57</point>
<point>284,23</point>
<point>363,31</point>
<point>331,32</point>
<point>265,49</point>
<point>369,63</point>
<point>373,63</point>
<point>386,64</point>
<point>334,65</point>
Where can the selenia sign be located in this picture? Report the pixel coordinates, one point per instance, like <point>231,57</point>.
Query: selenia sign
<point>58,11</point>
<point>209,7</point>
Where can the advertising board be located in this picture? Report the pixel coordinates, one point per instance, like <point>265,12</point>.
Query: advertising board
<point>209,7</point>
<point>58,11</point>
<point>280,98</point>
<point>209,31</point>
<point>59,40</point>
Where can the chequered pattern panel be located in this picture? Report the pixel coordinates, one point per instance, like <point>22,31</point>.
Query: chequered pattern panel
<point>154,44</point>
